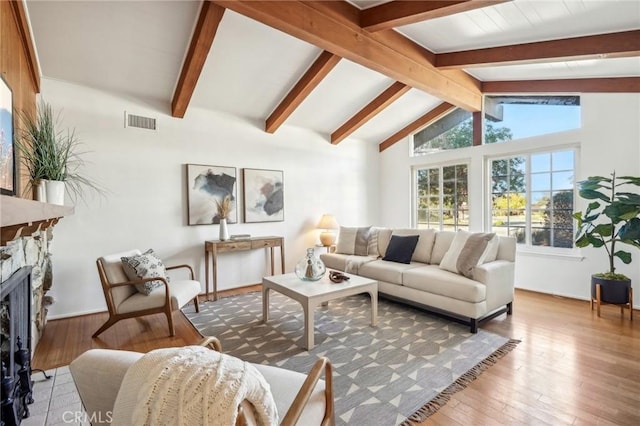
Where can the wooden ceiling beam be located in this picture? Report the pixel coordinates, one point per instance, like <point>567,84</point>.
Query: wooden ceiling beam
<point>382,101</point>
<point>397,13</point>
<point>575,85</point>
<point>436,113</point>
<point>613,45</point>
<point>201,41</point>
<point>334,27</point>
<point>309,81</point>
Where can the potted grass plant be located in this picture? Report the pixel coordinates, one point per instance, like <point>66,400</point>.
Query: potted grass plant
<point>612,218</point>
<point>51,157</point>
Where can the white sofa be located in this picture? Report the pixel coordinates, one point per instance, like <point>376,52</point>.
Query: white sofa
<point>424,284</point>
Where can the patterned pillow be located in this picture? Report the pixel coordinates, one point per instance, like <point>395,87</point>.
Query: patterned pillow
<point>145,265</point>
<point>353,241</point>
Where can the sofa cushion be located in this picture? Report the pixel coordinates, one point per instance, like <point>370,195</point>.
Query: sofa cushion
<point>384,236</point>
<point>467,251</point>
<point>353,241</point>
<point>383,270</point>
<point>401,248</point>
<point>434,280</point>
<point>145,265</point>
<point>441,245</point>
<point>423,250</point>
<point>345,262</point>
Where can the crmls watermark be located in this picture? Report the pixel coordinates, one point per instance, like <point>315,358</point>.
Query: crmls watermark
<point>82,417</point>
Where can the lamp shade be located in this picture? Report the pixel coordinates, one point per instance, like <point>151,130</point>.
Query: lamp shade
<point>328,221</point>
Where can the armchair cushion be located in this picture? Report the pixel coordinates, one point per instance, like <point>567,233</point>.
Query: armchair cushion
<point>181,293</point>
<point>145,265</point>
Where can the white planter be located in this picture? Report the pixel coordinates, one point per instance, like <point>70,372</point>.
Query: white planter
<point>54,192</point>
<point>224,231</point>
<point>40,192</point>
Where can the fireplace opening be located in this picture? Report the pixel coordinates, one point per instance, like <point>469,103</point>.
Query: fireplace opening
<point>15,344</point>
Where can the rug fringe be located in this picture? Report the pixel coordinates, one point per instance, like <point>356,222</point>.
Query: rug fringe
<point>443,397</point>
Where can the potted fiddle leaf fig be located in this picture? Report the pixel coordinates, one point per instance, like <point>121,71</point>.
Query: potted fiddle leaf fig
<point>612,218</point>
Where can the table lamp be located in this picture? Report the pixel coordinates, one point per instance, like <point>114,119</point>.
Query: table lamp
<point>328,224</point>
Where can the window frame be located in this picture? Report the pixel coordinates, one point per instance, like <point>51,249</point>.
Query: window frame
<point>414,190</point>
<point>527,246</point>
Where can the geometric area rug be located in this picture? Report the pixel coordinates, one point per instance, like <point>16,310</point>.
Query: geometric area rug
<point>398,372</point>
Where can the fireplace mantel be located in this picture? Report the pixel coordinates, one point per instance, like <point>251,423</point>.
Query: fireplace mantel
<point>21,217</point>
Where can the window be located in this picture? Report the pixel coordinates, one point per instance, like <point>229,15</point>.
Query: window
<point>506,118</point>
<point>517,117</point>
<point>454,130</point>
<point>442,197</point>
<point>532,198</point>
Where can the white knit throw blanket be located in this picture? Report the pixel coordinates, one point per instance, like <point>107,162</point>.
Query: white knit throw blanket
<point>191,385</point>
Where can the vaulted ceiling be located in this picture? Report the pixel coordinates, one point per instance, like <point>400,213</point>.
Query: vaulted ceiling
<point>370,70</point>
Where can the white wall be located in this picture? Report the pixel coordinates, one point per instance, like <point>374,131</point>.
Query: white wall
<point>609,139</point>
<point>146,206</point>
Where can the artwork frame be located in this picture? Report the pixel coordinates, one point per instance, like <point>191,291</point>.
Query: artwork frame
<point>206,183</point>
<point>263,195</point>
<point>7,147</point>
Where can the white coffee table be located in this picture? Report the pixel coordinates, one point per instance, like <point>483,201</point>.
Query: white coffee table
<point>312,293</point>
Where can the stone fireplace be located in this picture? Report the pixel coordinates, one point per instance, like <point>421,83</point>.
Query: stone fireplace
<point>33,251</point>
<point>26,240</point>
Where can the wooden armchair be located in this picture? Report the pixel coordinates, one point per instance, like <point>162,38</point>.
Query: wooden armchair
<point>300,399</point>
<point>309,392</point>
<point>124,301</point>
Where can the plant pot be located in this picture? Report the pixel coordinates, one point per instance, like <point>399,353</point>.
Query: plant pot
<point>55,192</point>
<point>39,191</point>
<point>611,291</point>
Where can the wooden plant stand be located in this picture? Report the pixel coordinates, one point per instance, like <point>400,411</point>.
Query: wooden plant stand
<point>598,302</point>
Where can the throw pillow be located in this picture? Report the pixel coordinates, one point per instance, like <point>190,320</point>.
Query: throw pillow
<point>473,252</point>
<point>353,241</point>
<point>467,250</point>
<point>401,248</point>
<point>145,265</point>
<point>373,242</point>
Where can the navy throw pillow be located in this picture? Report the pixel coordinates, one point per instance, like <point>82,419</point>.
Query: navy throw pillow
<point>401,248</point>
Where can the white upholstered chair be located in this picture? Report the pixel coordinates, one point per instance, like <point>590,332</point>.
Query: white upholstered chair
<point>124,301</point>
<point>301,399</point>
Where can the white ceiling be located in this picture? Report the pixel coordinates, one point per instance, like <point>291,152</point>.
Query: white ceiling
<point>136,49</point>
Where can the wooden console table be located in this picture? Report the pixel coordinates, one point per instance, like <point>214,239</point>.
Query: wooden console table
<point>212,248</point>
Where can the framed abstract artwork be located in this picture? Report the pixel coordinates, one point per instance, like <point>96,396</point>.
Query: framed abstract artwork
<point>7,154</point>
<point>263,195</point>
<point>208,186</point>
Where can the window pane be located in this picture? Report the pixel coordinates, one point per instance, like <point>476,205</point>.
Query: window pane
<point>519,233</point>
<point>540,199</point>
<point>563,238</point>
<point>540,163</point>
<point>562,180</point>
<point>541,181</point>
<point>541,236</point>
<point>454,130</point>
<point>517,117</point>
<point>562,160</point>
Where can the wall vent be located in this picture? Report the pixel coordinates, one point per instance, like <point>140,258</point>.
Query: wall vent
<point>140,122</point>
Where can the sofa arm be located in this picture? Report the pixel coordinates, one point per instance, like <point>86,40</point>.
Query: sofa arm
<point>498,277</point>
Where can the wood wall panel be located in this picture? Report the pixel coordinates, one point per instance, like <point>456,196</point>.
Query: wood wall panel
<point>14,67</point>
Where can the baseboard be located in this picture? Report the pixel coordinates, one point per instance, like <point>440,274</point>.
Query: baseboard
<point>76,314</point>
<point>564,296</point>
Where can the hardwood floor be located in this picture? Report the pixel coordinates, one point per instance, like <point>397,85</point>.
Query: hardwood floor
<point>571,367</point>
